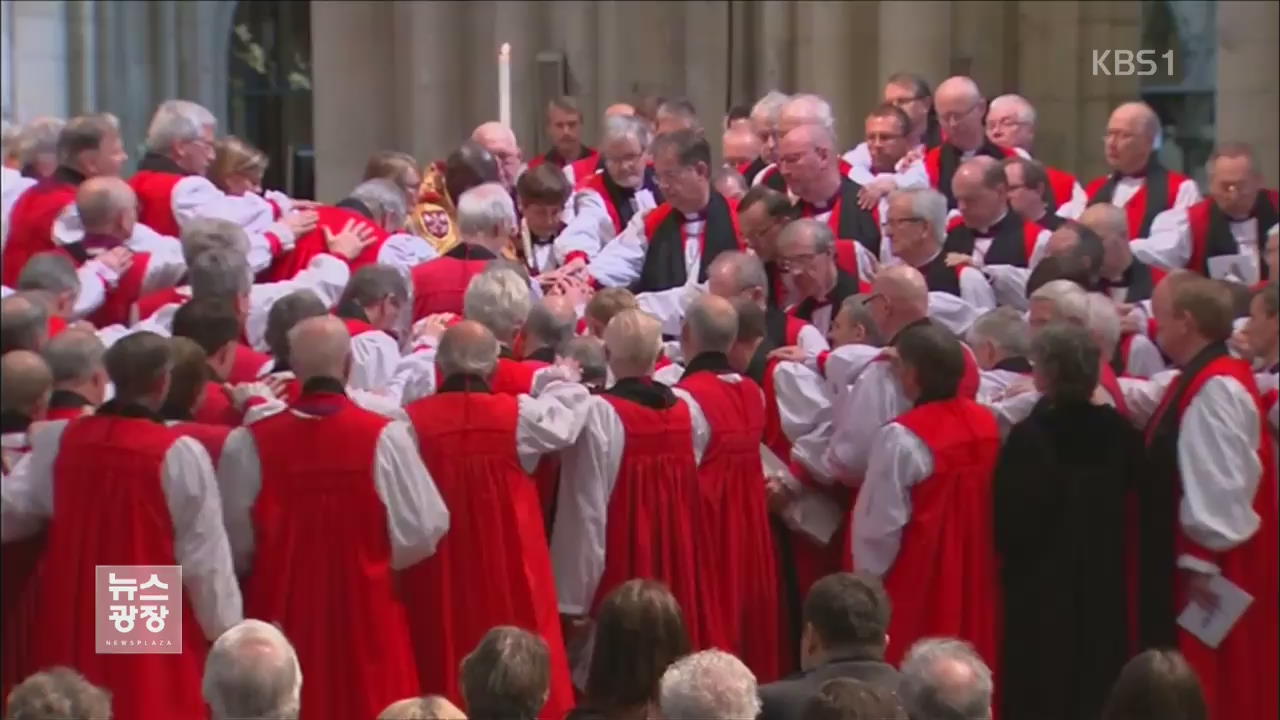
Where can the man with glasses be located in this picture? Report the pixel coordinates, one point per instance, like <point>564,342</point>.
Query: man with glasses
<point>1030,191</point>
<point>885,162</point>
<point>1223,236</point>
<point>501,142</point>
<point>1137,181</point>
<point>764,123</point>
<point>957,293</point>
<point>1011,124</point>
<point>762,213</point>
<point>807,254</point>
<point>802,109</point>
<point>960,109</point>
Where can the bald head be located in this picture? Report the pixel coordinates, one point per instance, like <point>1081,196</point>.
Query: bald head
<point>710,326</point>
<point>906,299</point>
<point>959,87</point>
<point>981,191</point>
<point>252,671</point>
<point>552,321</point>
<point>632,342</point>
<point>501,142</point>
<point>739,146</point>
<point>960,109</point>
<point>1131,136</point>
<point>619,109</point>
<point>107,205</point>
<point>492,133</point>
<point>467,349</point>
<point>25,384</point>
<point>320,347</point>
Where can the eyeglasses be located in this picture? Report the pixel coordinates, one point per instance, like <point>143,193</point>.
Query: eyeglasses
<point>1119,135</point>
<point>883,137</point>
<point>901,103</point>
<point>798,262</point>
<point>1005,123</point>
<point>953,118</point>
<point>899,222</point>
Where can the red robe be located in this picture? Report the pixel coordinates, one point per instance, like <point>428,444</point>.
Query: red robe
<point>322,558</point>
<point>1239,677</point>
<point>19,614</point>
<point>439,285</point>
<point>650,521</point>
<point>944,580</point>
<point>154,189</point>
<point>739,593</point>
<point>496,541</point>
<point>110,509</point>
<point>306,247</point>
<point>31,225</point>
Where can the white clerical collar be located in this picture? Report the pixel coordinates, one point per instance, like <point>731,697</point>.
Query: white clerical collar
<point>987,230</point>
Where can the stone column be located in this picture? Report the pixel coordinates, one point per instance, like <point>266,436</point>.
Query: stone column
<point>572,29</point>
<point>831,40</point>
<point>915,36</point>
<point>706,67</point>
<point>1247,96</point>
<point>977,48</point>
<point>39,47</point>
<point>1102,26</point>
<point>81,51</point>
<point>773,51</point>
<point>1050,37</point>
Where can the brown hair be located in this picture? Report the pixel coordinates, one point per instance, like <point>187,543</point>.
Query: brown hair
<point>234,156</point>
<point>136,363</point>
<point>186,386</point>
<point>389,165</point>
<point>640,631</point>
<point>609,302</point>
<point>564,103</point>
<point>431,707</point>
<point>1209,304</point>
<point>849,610</point>
<point>889,110</point>
<point>1156,685</point>
<point>1033,174</point>
<point>543,185</point>
<point>506,677</point>
<point>849,699</point>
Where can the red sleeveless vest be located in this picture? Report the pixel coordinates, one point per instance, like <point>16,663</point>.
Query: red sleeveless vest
<point>31,225</point>
<point>155,200</point>
<point>439,285</point>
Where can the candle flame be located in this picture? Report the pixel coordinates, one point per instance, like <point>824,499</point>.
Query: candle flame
<point>505,50</point>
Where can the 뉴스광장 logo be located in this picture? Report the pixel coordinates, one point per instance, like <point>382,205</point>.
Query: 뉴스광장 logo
<point>1123,63</point>
<point>138,609</point>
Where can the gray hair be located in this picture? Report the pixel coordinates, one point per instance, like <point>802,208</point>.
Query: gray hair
<point>1022,108</point>
<point>549,327</point>
<point>373,283</point>
<point>252,673</point>
<point>459,354</point>
<point>177,121</point>
<point>856,307</point>
<point>617,127</point>
<point>1103,321</point>
<point>39,137</point>
<point>1107,220</point>
<point>486,209</point>
<point>74,355</point>
<point>929,205</point>
<point>206,233</point>
<point>498,298</point>
<point>770,106</point>
<point>85,132</point>
<point>813,107</point>
<point>1070,301</point>
<point>824,240</point>
<point>99,203</point>
<point>287,312</point>
<point>748,271</point>
<point>1068,359</point>
<point>50,271</point>
<point>927,693</point>
<point>385,200</point>
<point>219,273</point>
<point>712,322</point>
<point>24,321</point>
<point>58,692</point>
<point>1003,327</point>
<point>589,353</point>
<point>708,684</point>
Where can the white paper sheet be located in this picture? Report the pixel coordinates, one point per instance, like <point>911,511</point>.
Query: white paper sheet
<point>1236,268</point>
<point>1212,627</point>
<point>810,512</point>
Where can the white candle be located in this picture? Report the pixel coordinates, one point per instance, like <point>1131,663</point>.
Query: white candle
<point>504,84</point>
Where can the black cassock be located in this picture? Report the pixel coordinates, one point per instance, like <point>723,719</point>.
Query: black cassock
<point>1060,491</point>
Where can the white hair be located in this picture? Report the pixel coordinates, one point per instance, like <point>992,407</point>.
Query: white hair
<point>8,137</point>
<point>1103,322</point>
<point>929,692</point>
<point>486,209</point>
<point>709,684</point>
<point>1022,108</point>
<point>1070,301</point>
<point>39,137</point>
<point>460,355</point>
<point>929,205</point>
<point>770,106</point>
<point>814,108</point>
<point>385,201</point>
<point>1003,327</point>
<point>177,121</point>
<point>498,299</point>
<point>208,233</point>
<point>252,673</point>
<point>74,355</point>
<point>617,127</point>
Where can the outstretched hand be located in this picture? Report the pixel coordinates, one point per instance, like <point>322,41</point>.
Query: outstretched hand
<point>350,241</point>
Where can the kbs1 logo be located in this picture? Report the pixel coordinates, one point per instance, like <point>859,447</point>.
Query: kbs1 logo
<point>1126,63</point>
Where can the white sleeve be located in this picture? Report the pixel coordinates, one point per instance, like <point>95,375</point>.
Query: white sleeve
<point>859,159</point>
<point>701,428</point>
<point>913,175</point>
<point>976,290</point>
<point>1142,397</point>
<point>415,375</point>
<point>1071,209</point>
<point>844,364</point>
<point>1219,467</point>
<point>94,280</point>
<point>551,421</point>
<point>669,305</point>
<point>166,266</point>
<point>801,395</point>
<point>1009,283</point>
<point>588,472</point>
<point>810,340</point>
<point>325,275</point>
<point>1010,411</point>
<point>1144,358</point>
<point>1168,244</point>
<point>898,461</point>
<point>954,313</point>
<point>26,495</point>
<point>200,539</point>
<point>416,515</point>
<point>240,481</point>
<point>374,358</point>
<point>195,197</point>
<point>404,251</point>
<point>868,263</point>
<point>588,228</point>
<point>1188,194</point>
<point>875,399</point>
<point>619,262</point>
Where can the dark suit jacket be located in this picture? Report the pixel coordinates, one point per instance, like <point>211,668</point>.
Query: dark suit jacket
<point>785,699</point>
